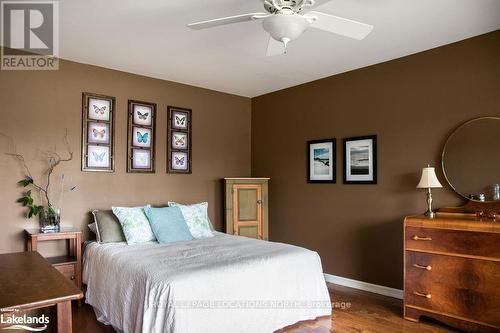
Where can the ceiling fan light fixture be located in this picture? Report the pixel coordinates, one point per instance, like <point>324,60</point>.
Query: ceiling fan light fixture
<point>285,27</point>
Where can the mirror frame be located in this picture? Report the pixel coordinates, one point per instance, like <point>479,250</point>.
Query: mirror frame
<point>444,151</point>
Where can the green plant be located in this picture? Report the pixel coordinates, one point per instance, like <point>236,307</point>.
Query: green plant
<point>27,200</point>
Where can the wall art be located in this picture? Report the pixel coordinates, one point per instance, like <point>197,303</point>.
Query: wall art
<point>360,160</point>
<point>141,137</point>
<point>179,140</point>
<point>97,132</point>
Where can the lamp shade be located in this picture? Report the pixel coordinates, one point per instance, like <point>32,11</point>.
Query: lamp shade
<point>429,179</point>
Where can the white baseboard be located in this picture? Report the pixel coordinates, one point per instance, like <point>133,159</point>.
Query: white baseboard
<point>373,288</point>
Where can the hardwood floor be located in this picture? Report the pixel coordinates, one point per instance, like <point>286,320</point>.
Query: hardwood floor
<point>367,313</point>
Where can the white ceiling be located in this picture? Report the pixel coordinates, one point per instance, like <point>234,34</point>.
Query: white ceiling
<point>150,37</point>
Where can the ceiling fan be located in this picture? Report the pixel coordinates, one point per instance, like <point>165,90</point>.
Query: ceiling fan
<point>286,20</point>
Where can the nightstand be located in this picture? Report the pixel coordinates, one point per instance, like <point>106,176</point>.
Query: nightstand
<point>69,265</point>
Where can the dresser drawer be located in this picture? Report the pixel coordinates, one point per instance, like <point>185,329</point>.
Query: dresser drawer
<point>457,286</point>
<point>67,270</point>
<point>482,244</point>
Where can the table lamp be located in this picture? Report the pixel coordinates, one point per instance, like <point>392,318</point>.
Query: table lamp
<point>428,181</point>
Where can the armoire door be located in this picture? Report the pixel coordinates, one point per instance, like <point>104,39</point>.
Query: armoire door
<point>247,210</point>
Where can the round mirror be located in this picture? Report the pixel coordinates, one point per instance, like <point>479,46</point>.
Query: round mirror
<point>471,159</point>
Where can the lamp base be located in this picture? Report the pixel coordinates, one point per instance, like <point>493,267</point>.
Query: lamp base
<point>430,214</point>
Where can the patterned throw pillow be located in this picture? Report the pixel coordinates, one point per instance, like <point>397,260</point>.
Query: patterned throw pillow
<point>196,217</point>
<point>135,224</point>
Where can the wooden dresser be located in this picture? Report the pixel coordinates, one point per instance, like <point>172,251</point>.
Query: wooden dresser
<point>452,271</point>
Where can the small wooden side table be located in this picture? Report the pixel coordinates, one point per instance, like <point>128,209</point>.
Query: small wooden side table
<point>69,265</point>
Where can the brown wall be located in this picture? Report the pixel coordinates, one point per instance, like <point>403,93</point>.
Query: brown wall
<point>411,104</point>
<point>36,107</point>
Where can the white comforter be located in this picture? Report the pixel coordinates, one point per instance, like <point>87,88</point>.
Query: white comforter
<point>219,284</point>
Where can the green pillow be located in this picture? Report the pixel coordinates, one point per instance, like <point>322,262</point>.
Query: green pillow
<point>196,217</point>
<point>135,224</point>
<point>108,227</point>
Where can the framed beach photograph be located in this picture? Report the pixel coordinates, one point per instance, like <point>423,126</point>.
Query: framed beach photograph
<point>360,160</point>
<point>321,164</point>
<point>141,137</point>
<point>97,132</point>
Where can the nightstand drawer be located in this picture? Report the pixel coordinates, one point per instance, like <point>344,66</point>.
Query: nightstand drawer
<point>457,286</point>
<point>480,244</point>
<point>67,270</point>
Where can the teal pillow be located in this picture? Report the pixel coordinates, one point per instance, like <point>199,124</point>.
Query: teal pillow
<point>168,224</point>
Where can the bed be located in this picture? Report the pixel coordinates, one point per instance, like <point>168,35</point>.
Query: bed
<point>220,284</point>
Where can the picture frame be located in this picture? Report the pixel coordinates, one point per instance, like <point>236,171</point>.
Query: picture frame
<point>179,161</point>
<point>179,140</point>
<point>141,137</point>
<point>179,157</point>
<point>180,118</point>
<point>322,161</point>
<point>360,160</point>
<point>97,150</point>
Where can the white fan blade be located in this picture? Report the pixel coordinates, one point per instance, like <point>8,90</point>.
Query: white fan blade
<point>227,20</point>
<point>274,47</point>
<point>340,25</point>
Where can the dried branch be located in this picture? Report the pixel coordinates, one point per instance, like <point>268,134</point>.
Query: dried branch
<point>54,160</point>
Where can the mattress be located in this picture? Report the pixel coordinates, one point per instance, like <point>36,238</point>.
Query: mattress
<point>220,284</point>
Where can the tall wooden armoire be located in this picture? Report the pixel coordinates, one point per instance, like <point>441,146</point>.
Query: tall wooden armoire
<point>246,206</point>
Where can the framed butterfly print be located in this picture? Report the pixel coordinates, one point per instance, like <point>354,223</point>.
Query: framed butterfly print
<point>179,140</point>
<point>180,119</point>
<point>180,161</point>
<point>141,137</point>
<point>97,132</point>
<point>98,156</point>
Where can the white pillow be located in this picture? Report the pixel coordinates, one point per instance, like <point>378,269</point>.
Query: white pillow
<point>196,217</point>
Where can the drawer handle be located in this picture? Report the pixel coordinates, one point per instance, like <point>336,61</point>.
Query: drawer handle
<point>417,238</point>
<point>428,267</point>
<point>416,293</point>
<point>72,277</point>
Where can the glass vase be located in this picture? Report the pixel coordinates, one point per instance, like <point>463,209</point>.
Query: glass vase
<point>50,219</point>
